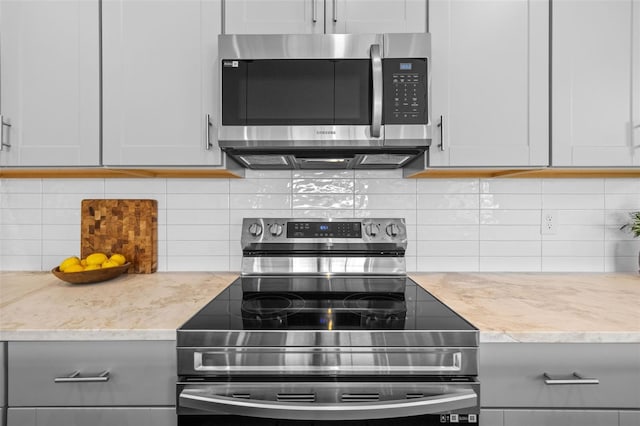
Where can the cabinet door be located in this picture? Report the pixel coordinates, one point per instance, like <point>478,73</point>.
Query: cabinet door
<point>596,83</point>
<point>376,16</point>
<point>490,82</point>
<point>49,82</point>
<point>120,416</point>
<point>629,418</point>
<point>560,418</point>
<point>274,17</point>
<point>160,82</point>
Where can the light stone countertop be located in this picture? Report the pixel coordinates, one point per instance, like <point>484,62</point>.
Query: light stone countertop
<point>506,307</point>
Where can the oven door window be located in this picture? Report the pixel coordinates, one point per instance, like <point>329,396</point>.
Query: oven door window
<point>296,92</point>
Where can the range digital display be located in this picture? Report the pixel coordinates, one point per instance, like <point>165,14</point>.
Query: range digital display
<point>324,230</point>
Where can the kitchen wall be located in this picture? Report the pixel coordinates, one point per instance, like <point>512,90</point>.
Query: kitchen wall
<point>453,225</point>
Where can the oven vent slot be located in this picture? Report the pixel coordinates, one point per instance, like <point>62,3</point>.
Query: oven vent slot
<point>296,397</point>
<point>414,395</point>
<point>241,395</point>
<point>360,397</point>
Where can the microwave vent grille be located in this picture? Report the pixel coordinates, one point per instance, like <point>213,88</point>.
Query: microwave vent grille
<point>264,160</point>
<point>384,159</point>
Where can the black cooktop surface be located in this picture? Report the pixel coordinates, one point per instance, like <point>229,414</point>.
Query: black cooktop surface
<point>326,303</point>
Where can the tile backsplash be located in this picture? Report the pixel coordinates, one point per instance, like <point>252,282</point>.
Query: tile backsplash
<point>453,225</point>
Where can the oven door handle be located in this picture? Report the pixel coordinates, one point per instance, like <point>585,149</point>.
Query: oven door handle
<point>217,404</point>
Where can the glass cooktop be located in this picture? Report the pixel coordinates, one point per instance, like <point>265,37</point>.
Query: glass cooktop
<point>326,303</point>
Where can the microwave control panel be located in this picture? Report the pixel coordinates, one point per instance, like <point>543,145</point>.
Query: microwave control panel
<point>405,91</point>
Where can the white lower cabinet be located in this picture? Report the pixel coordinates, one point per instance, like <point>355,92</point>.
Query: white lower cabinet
<point>97,383</point>
<point>491,417</point>
<point>630,418</point>
<point>116,416</point>
<point>560,418</point>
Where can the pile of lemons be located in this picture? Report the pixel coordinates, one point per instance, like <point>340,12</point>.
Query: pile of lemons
<point>92,262</point>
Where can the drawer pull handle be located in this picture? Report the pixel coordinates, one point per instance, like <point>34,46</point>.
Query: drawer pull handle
<point>574,379</point>
<point>75,377</point>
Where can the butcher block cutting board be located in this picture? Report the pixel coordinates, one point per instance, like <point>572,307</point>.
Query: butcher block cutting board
<point>129,227</point>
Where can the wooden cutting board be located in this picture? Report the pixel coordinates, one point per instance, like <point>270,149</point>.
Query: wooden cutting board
<point>129,227</point>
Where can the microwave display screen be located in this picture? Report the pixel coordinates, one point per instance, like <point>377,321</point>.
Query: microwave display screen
<point>405,66</point>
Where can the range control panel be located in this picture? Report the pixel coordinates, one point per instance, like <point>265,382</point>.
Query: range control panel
<point>405,91</point>
<point>324,230</point>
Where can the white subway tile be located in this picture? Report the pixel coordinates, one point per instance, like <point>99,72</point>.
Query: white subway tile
<point>322,186</point>
<point>20,186</point>
<point>197,233</point>
<point>447,264</point>
<point>379,174</point>
<point>617,217</point>
<point>61,216</point>
<point>162,264</point>
<point>621,264</point>
<point>61,248</point>
<point>322,201</point>
<point>614,233</point>
<point>622,202</point>
<point>448,186</point>
<point>510,264</point>
<point>197,248</point>
<point>509,233</point>
<point>198,186</point>
<point>385,201</point>
<point>408,215</point>
<point>448,232</point>
<point>448,217</point>
<point>580,217</point>
<point>197,201</point>
<point>327,213</point>
<point>622,186</point>
<point>235,263</point>
<point>21,201</point>
<point>260,186</point>
<point>22,263</point>
<point>20,247</point>
<point>412,263</point>
<point>572,264</point>
<point>510,248</point>
<point>198,263</point>
<point>385,186</point>
<point>573,201</point>
<point>510,201</point>
<point>447,248</point>
<point>61,232</point>
<point>323,174</point>
<point>73,186</point>
<point>267,174</point>
<point>237,215</point>
<point>573,248</point>
<point>197,217</point>
<point>20,216</point>
<point>67,201</point>
<point>140,186</point>
<point>573,186</point>
<point>20,232</point>
<point>510,217</point>
<point>628,248</point>
<point>260,201</point>
<point>510,186</point>
<point>576,233</point>
<point>160,198</point>
<point>451,201</point>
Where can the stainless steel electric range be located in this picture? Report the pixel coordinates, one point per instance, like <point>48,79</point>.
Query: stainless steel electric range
<point>324,327</point>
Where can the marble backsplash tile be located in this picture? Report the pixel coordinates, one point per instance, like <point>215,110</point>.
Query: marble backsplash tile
<point>453,224</point>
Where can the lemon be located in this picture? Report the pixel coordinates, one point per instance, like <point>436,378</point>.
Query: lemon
<point>96,258</point>
<point>118,258</point>
<point>109,264</point>
<point>68,262</point>
<point>92,267</point>
<point>74,268</point>
<point>83,262</point>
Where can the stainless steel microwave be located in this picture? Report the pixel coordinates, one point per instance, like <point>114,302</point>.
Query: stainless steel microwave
<point>324,100</point>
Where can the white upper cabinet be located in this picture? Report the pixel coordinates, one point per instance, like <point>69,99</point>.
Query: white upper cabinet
<point>324,16</point>
<point>50,83</point>
<point>490,85</point>
<point>596,83</point>
<point>160,82</point>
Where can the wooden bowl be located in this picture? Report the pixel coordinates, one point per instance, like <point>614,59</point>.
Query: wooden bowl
<point>95,276</point>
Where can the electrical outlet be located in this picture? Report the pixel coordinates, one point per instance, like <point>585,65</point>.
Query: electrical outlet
<point>549,222</point>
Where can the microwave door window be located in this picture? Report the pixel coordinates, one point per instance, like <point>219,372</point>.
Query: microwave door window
<point>353,92</point>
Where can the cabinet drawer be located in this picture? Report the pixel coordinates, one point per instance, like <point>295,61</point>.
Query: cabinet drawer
<point>120,416</point>
<point>512,375</point>
<point>560,418</point>
<point>139,373</point>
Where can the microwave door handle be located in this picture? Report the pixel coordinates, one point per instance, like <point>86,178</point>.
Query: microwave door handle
<point>444,403</point>
<point>376,106</point>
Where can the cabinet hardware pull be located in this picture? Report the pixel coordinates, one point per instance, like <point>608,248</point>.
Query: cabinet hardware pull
<point>441,127</point>
<point>75,377</point>
<point>207,140</point>
<point>574,379</point>
<point>2,142</point>
<point>335,10</point>
<point>314,11</point>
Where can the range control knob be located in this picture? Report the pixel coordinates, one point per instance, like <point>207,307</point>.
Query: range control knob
<point>392,230</point>
<point>275,229</point>
<point>255,229</point>
<point>372,229</point>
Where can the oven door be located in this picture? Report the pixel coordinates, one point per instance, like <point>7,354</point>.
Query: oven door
<point>329,403</point>
<point>295,90</point>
